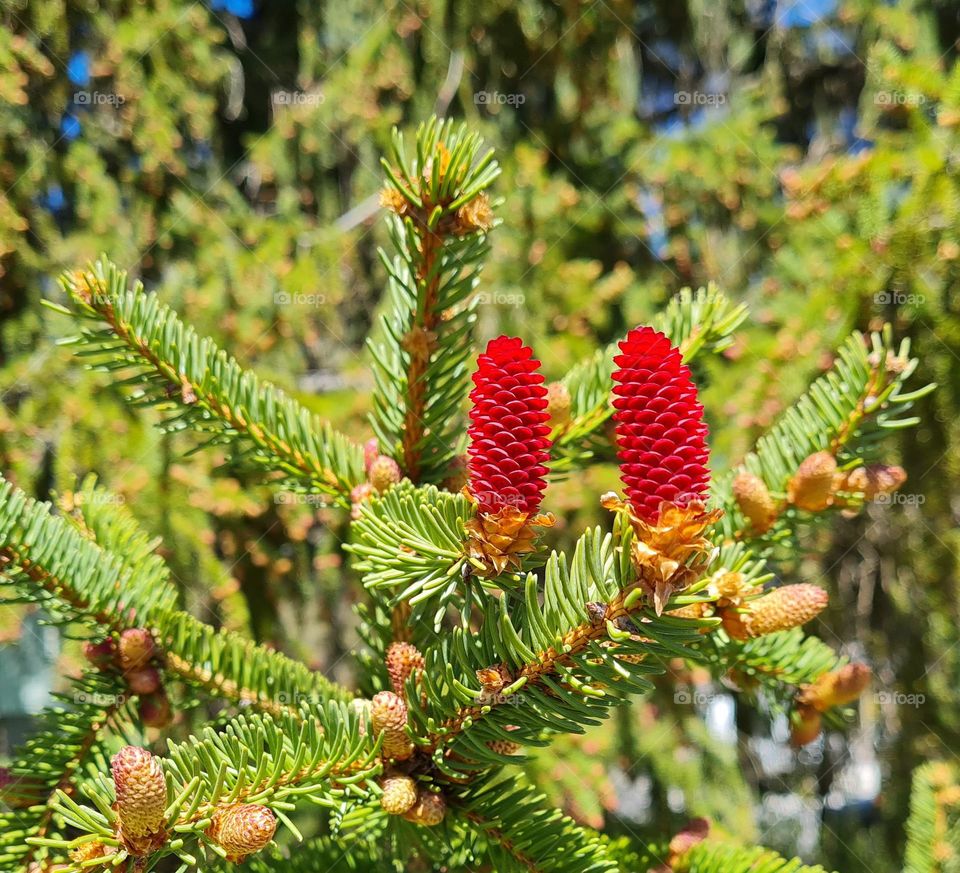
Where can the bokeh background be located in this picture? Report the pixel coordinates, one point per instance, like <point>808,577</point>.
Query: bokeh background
<point>805,156</point>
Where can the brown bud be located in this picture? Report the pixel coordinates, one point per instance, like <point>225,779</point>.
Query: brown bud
<point>558,403</point>
<point>403,660</point>
<point>102,654</point>
<point>145,681</point>
<point>812,486</point>
<point>874,480</point>
<point>399,794</point>
<point>155,710</point>
<point>383,473</point>
<point>836,687</point>
<point>474,215</point>
<point>141,792</point>
<point>784,608</point>
<point>805,725</point>
<point>136,648</point>
<point>754,501</point>
<point>495,678</point>
<point>242,829</point>
<point>429,810</point>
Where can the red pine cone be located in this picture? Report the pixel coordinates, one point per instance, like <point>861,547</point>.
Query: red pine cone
<point>661,435</point>
<point>508,429</point>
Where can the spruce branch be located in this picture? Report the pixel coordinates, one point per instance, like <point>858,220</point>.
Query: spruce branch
<point>932,826</point>
<point>777,662</point>
<point>64,566</point>
<point>843,416</point>
<point>170,367</point>
<point>550,660</point>
<point>321,755</point>
<point>439,220</point>
<point>521,834</point>
<point>715,856</point>
<point>67,738</point>
<point>696,322</point>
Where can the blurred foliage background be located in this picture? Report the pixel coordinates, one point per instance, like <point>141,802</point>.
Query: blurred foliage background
<point>804,155</point>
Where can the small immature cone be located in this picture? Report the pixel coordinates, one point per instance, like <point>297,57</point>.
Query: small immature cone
<point>383,473</point>
<point>813,485</point>
<point>805,726</point>
<point>874,480</point>
<point>784,608</point>
<point>558,403</point>
<point>403,659</point>
<point>136,648</point>
<point>141,792</point>
<point>836,688</point>
<point>754,501</point>
<point>388,715</point>
<point>242,829</point>
<point>100,654</point>
<point>145,681</point>
<point>429,810</point>
<point>399,794</point>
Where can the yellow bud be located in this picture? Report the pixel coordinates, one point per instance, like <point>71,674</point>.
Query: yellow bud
<point>783,608</point>
<point>755,502</point>
<point>836,688</point>
<point>242,829</point>
<point>399,794</point>
<point>813,485</point>
<point>141,791</point>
